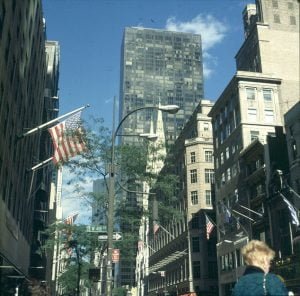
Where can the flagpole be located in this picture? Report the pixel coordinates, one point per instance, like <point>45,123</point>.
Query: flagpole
<point>237,219</point>
<point>243,215</point>
<point>41,164</point>
<point>46,124</point>
<point>31,184</point>
<point>166,231</point>
<point>258,214</point>
<point>293,191</point>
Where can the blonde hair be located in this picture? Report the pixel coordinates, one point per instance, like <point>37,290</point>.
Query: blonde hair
<point>256,251</point>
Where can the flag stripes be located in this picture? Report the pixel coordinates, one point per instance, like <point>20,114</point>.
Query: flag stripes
<point>71,218</point>
<point>209,226</point>
<point>67,139</point>
<point>292,210</point>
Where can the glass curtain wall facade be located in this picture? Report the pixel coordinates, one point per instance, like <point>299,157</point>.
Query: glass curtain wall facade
<point>163,67</point>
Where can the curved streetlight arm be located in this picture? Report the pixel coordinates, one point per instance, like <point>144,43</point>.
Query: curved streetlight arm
<point>172,109</point>
<point>111,188</point>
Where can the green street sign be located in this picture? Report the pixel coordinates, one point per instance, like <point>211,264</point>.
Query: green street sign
<point>97,228</point>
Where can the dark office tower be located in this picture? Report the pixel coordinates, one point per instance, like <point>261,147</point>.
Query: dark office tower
<point>159,67</point>
<point>23,193</point>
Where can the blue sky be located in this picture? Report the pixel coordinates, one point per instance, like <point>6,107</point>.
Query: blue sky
<point>90,35</point>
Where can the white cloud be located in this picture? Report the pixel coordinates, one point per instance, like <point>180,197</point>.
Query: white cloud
<point>212,32</point>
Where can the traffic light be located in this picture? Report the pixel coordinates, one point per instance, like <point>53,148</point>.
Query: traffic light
<point>94,274</point>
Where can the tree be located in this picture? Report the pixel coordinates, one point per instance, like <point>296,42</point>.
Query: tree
<point>75,245</point>
<point>133,168</point>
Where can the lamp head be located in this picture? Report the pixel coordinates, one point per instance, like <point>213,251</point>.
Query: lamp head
<point>148,136</point>
<point>172,109</point>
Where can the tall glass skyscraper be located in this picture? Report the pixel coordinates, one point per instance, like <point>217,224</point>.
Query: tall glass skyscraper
<point>159,66</point>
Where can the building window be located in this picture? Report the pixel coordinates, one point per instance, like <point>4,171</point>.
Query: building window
<point>216,124</point>
<point>254,135</point>
<point>195,221</point>
<point>208,156</point>
<point>193,174</point>
<point>228,129</point>
<point>290,5</point>
<point>196,270</point>
<point>228,174</point>
<point>276,18</point>
<point>196,243</point>
<point>234,169</point>
<point>275,3</point>
<point>206,126</point>
<point>292,20</point>
<point>208,197</point>
<point>252,114</point>
<point>222,157</point>
<point>223,178</point>
<point>250,93</point>
<point>227,152</point>
<point>267,94</point>
<point>269,115</point>
<point>194,197</point>
<point>217,163</point>
<point>209,176</point>
<point>193,157</point>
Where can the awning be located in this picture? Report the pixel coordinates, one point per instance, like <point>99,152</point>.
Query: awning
<point>171,258</point>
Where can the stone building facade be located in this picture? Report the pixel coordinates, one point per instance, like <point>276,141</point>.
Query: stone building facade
<point>181,258</point>
<point>247,119</point>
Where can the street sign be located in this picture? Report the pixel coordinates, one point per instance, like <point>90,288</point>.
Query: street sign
<point>116,236</point>
<point>115,255</point>
<point>97,228</point>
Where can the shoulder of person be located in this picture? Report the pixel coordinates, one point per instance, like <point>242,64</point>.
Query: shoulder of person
<point>275,285</point>
<point>252,283</point>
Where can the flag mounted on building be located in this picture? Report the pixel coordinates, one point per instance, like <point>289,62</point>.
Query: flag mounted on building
<point>293,212</point>
<point>71,218</point>
<point>226,213</point>
<point>67,138</point>
<point>155,227</point>
<point>209,226</point>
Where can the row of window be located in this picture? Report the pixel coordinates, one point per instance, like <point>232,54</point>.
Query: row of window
<point>208,156</point>
<point>251,94</point>
<point>226,154</point>
<point>231,260</point>
<point>208,173</point>
<point>195,199</point>
<point>268,115</point>
<point>290,5</point>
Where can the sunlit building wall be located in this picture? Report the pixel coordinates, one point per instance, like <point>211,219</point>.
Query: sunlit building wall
<point>181,258</point>
<point>250,109</point>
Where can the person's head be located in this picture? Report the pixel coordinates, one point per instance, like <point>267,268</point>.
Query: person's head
<point>257,253</point>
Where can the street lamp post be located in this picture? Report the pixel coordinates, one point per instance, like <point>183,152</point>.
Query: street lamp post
<point>111,187</point>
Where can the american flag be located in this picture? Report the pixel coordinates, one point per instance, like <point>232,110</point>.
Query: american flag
<point>67,138</point>
<point>209,226</point>
<point>155,227</point>
<point>293,211</point>
<point>71,219</point>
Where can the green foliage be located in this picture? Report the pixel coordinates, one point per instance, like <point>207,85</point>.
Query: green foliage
<point>77,245</point>
<point>119,292</point>
<point>135,164</point>
<point>93,161</point>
